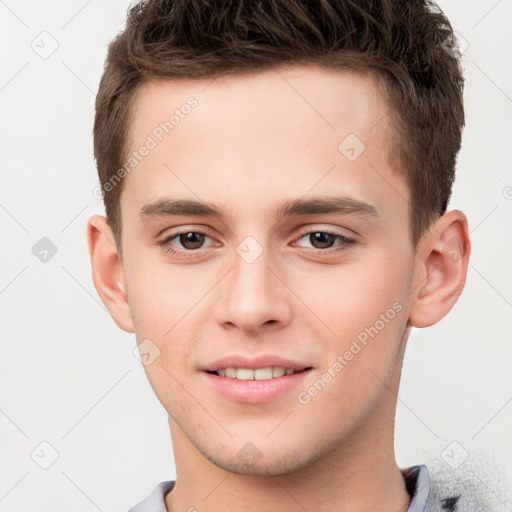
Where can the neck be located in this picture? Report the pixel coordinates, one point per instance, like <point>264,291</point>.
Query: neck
<point>346,480</point>
<point>358,476</point>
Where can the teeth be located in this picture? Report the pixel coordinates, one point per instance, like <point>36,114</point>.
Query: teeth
<point>231,373</point>
<point>244,374</point>
<point>278,372</point>
<point>262,374</point>
<point>259,374</point>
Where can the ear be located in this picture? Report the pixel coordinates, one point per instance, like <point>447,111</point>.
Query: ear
<point>107,271</point>
<point>441,269</point>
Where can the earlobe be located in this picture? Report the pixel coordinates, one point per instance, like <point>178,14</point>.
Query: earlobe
<point>441,269</point>
<point>107,271</point>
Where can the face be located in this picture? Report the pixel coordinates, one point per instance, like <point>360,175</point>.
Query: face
<point>292,253</point>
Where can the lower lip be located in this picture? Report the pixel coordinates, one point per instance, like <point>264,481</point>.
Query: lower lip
<point>255,391</point>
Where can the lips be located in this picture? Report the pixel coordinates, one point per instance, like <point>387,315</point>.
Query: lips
<point>244,380</point>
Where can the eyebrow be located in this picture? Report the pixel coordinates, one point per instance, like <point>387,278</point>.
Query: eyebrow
<point>315,206</point>
<point>327,205</point>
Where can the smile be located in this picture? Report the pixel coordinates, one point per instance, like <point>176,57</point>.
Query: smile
<point>258,374</point>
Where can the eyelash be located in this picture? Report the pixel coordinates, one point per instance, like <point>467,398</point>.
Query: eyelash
<point>346,242</point>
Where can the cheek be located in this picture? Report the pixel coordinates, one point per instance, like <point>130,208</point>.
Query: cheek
<point>162,301</point>
<point>352,296</point>
<point>364,304</point>
<point>161,295</point>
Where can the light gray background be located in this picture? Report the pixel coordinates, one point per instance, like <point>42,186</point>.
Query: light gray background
<point>68,376</point>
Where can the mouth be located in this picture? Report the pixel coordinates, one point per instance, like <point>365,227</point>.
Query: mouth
<point>263,383</point>
<point>268,373</point>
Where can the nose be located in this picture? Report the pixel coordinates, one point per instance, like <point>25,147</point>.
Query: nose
<point>253,295</point>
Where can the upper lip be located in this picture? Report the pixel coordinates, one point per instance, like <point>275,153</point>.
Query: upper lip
<point>263,361</point>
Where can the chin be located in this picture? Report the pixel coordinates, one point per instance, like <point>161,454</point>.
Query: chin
<point>249,460</point>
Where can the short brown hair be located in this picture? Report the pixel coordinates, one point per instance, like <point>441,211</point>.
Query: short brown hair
<point>408,44</point>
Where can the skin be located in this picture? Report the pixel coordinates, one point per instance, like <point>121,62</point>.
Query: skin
<point>252,143</point>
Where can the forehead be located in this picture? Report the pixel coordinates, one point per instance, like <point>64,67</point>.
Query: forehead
<point>334,101</point>
<point>281,132</point>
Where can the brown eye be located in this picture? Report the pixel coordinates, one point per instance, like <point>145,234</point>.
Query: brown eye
<point>184,243</point>
<point>191,239</point>
<point>322,240</point>
<point>325,239</point>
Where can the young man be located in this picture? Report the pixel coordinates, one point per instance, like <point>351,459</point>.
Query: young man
<point>276,178</point>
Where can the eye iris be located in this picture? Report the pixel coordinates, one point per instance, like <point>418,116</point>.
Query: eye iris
<point>324,239</point>
<point>195,239</point>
